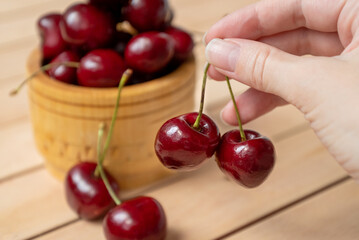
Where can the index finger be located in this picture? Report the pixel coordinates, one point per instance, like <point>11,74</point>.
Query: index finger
<point>274,16</point>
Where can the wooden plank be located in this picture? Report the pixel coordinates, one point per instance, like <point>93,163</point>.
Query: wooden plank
<point>206,205</point>
<point>15,107</point>
<point>201,15</point>
<point>17,149</point>
<point>333,214</point>
<point>15,10</point>
<point>31,204</point>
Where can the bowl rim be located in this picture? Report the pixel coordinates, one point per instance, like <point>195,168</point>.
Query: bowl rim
<point>69,93</point>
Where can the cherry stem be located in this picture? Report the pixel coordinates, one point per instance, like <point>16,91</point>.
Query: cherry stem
<point>125,76</point>
<point>42,69</point>
<point>198,119</point>
<point>243,136</point>
<point>100,167</point>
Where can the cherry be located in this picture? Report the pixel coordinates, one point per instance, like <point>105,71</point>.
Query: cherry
<point>85,193</point>
<point>184,142</point>
<point>247,162</point>
<point>52,43</point>
<point>183,43</point>
<point>149,52</point>
<point>86,26</point>
<point>245,155</point>
<point>64,73</point>
<point>100,68</point>
<point>121,41</point>
<point>138,218</point>
<point>179,145</point>
<point>148,15</point>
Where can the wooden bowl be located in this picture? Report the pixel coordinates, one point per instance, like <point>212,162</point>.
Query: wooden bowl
<point>65,120</point>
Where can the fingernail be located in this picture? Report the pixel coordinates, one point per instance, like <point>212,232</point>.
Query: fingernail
<point>204,38</point>
<point>221,116</point>
<point>222,54</point>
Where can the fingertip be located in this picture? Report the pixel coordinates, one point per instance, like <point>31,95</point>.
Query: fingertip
<point>214,74</point>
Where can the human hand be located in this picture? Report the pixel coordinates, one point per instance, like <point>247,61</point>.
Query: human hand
<point>263,47</point>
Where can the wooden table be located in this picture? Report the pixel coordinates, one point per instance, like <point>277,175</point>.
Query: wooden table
<point>308,196</point>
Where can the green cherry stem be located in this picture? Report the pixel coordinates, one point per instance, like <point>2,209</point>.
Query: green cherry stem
<point>243,136</point>
<point>100,167</point>
<point>125,76</point>
<point>42,69</point>
<point>198,119</point>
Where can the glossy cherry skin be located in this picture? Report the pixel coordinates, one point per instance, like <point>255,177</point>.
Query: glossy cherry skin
<point>149,52</point>
<point>148,15</point>
<point>183,43</point>
<point>86,26</point>
<point>86,194</point>
<point>249,162</point>
<point>101,68</point>
<point>139,218</point>
<point>121,41</point>
<point>179,146</point>
<point>61,72</point>
<point>52,43</point>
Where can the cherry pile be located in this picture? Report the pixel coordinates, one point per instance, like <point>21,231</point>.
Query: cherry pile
<point>92,193</point>
<point>186,141</point>
<point>92,34</point>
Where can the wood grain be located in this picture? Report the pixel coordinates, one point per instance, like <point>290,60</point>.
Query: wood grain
<point>333,215</point>
<point>205,205</point>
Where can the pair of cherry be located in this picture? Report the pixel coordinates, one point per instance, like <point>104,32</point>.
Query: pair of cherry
<point>87,33</point>
<point>91,192</point>
<point>186,141</point>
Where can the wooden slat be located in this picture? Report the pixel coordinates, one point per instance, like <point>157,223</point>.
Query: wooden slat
<point>333,214</point>
<point>31,204</point>
<point>206,205</point>
<point>18,149</point>
<point>201,15</point>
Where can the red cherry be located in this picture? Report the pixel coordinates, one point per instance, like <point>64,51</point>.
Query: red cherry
<point>52,43</point>
<point>87,194</point>
<point>87,26</point>
<point>247,162</point>
<point>138,218</point>
<point>63,73</point>
<point>149,52</point>
<point>183,43</point>
<point>101,68</point>
<point>148,15</point>
<point>121,41</point>
<point>179,146</point>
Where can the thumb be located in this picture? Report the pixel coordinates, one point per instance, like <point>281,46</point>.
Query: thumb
<point>258,65</point>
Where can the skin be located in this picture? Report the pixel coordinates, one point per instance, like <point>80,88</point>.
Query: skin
<point>262,46</point>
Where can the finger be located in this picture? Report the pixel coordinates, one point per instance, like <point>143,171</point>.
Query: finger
<point>251,104</point>
<point>269,17</point>
<point>305,41</point>
<point>261,66</point>
<point>214,74</point>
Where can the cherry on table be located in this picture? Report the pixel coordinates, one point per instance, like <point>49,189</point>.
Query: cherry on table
<point>101,68</point>
<point>138,218</point>
<point>64,73</point>
<point>149,52</point>
<point>86,26</point>
<point>148,15</point>
<point>247,162</point>
<point>87,194</point>
<point>183,43</point>
<point>180,146</point>
<point>52,43</point>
